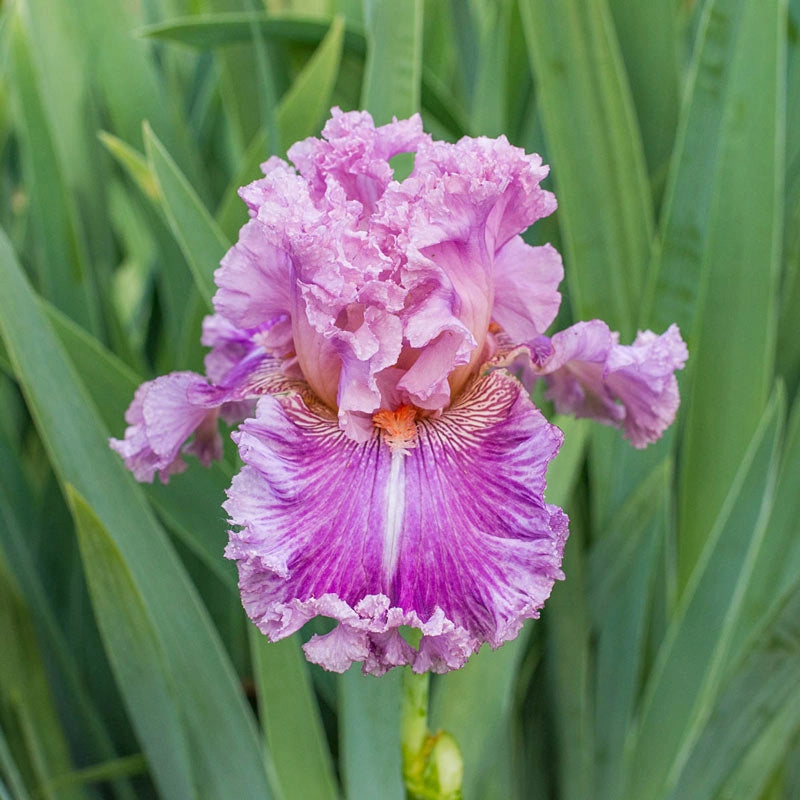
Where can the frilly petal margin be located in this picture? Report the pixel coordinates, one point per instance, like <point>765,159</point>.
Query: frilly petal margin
<point>165,412</point>
<point>589,374</point>
<point>160,419</point>
<point>450,536</point>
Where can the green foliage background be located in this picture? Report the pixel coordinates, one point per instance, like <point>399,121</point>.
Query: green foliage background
<point>667,665</point>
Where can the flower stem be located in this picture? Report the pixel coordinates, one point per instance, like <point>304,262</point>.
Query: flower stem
<point>413,720</point>
<point>432,765</point>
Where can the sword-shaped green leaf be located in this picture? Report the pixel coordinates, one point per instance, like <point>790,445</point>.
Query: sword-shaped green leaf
<point>213,712</point>
<point>605,208</point>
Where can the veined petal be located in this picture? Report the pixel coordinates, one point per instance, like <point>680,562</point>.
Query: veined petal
<point>446,531</point>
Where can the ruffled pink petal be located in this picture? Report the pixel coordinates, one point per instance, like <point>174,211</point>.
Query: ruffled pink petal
<point>377,536</point>
<point>253,280</point>
<point>355,154</point>
<point>589,374</point>
<point>526,296</point>
<point>160,419</point>
<point>490,180</point>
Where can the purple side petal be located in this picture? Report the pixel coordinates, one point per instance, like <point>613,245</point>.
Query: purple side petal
<point>589,374</point>
<point>574,365</point>
<point>167,411</point>
<point>160,419</point>
<point>642,377</point>
<point>451,536</point>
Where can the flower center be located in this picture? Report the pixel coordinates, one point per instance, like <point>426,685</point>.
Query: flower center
<point>399,427</point>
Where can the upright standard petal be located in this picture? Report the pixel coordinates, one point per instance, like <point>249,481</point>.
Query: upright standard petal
<point>526,296</point>
<point>438,524</point>
<point>355,154</point>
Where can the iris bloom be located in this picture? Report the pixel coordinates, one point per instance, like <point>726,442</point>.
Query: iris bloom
<point>394,469</point>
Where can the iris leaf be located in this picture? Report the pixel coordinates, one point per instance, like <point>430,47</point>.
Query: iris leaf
<point>290,718</point>
<point>135,652</point>
<point>11,772</point>
<point>26,694</point>
<point>198,235</point>
<point>732,346</point>
<point>651,63</point>
<point>755,713</point>
<point>489,112</point>
<point>130,83</point>
<point>568,661</point>
<point>605,208</point>
<point>677,267</point>
<point>16,525</point>
<point>684,679</point>
<point>777,567</point>
<point>307,102</point>
<point>369,735</point>
<point>394,59</point>
<point>621,580</point>
<point>212,30</point>
<point>214,716</point>
<point>62,266</point>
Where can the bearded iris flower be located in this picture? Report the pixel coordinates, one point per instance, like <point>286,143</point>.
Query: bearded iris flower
<point>366,330</point>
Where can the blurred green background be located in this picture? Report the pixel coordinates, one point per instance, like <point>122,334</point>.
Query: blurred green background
<point>667,665</point>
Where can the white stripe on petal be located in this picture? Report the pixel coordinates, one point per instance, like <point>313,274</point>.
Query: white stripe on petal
<point>395,511</point>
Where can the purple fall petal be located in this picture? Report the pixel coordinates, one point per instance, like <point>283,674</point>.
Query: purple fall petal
<point>450,535</point>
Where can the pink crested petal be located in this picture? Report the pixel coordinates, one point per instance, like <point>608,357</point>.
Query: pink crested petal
<point>526,296</point>
<point>450,535</point>
<point>253,280</point>
<point>355,154</point>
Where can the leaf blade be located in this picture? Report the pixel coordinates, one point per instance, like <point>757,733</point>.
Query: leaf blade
<point>606,212</point>
<point>198,235</point>
<point>135,652</point>
<point>215,714</point>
